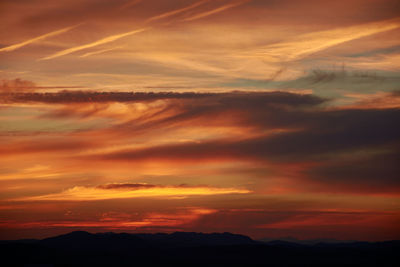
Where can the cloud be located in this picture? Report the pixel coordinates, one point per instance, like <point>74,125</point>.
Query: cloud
<point>329,140</point>
<point>396,93</point>
<point>17,85</point>
<point>219,100</point>
<point>216,10</point>
<point>274,128</point>
<point>41,145</point>
<point>157,111</point>
<point>323,76</point>
<point>126,191</point>
<point>380,100</point>
<point>105,40</point>
<point>20,87</point>
<point>314,134</point>
<point>177,11</point>
<point>101,97</point>
<point>127,186</point>
<point>305,45</point>
<point>302,223</point>
<point>117,220</point>
<point>66,12</point>
<point>339,84</point>
<point>33,172</point>
<point>99,51</point>
<point>366,172</point>
<point>36,39</point>
<point>318,135</point>
<point>129,4</point>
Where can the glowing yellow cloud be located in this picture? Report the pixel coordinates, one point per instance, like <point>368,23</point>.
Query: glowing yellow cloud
<point>80,193</point>
<point>35,172</point>
<point>36,39</point>
<point>106,40</point>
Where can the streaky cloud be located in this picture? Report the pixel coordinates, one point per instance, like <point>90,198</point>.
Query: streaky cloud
<point>216,10</point>
<point>36,39</point>
<point>307,44</point>
<point>105,40</point>
<point>99,52</point>
<point>81,193</point>
<point>130,4</point>
<point>228,98</point>
<point>177,11</point>
<point>88,96</point>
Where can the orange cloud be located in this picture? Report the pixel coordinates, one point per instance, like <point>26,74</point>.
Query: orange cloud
<point>178,218</point>
<point>100,51</point>
<point>324,219</point>
<point>216,10</point>
<point>380,100</point>
<point>129,4</point>
<point>37,171</point>
<point>36,39</point>
<point>105,40</point>
<point>305,45</point>
<point>16,85</point>
<point>177,11</point>
<point>80,193</point>
<point>121,221</point>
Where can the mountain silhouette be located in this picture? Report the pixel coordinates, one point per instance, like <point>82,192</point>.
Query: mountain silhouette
<point>123,241</point>
<point>307,241</point>
<point>81,240</point>
<point>190,249</point>
<point>183,239</point>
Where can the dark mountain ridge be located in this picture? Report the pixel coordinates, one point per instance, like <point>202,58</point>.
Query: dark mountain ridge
<point>196,249</point>
<point>177,239</point>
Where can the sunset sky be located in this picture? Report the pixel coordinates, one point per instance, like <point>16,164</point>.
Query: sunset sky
<point>269,118</point>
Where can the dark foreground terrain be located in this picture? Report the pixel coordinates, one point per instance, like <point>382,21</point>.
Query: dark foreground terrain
<point>190,249</point>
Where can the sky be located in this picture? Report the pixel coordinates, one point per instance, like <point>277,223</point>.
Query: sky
<point>269,118</point>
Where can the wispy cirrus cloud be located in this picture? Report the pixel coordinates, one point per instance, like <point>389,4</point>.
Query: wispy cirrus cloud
<point>37,39</point>
<point>177,11</point>
<point>105,40</point>
<point>307,44</point>
<point>99,51</point>
<point>321,160</point>
<point>216,10</point>
<point>154,18</point>
<point>129,4</point>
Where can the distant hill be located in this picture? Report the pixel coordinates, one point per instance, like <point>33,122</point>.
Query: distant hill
<point>184,239</point>
<point>307,241</point>
<point>191,249</point>
<point>94,242</point>
<point>85,240</point>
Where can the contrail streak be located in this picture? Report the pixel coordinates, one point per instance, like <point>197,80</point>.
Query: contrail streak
<point>99,42</point>
<point>177,11</point>
<point>33,40</point>
<point>129,4</point>
<point>305,45</point>
<point>99,51</point>
<point>215,11</point>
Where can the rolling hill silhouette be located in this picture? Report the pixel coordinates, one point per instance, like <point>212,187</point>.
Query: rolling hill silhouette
<point>194,249</point>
